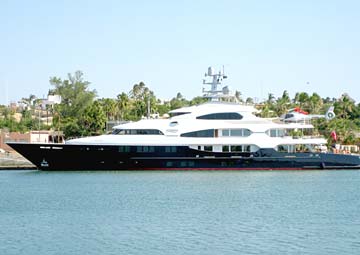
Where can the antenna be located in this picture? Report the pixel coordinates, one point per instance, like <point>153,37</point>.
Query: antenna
<point>224,76</point>
<point>6,93</point>
<point>214,93</point>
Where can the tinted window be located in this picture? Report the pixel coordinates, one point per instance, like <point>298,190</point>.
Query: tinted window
<point>170,149</point>
<point>221,116</point>
<point>226,132</point>
<point>208,148</point>
<point>145,149</point>
<point>273,133</point>
<point>137,132</point>
<point>178,114</point>
<point>124,148</point>
<point>276,132</point>
<point>247,132</point>
<point>200,133</point>
<point>236,148</point>
<point>225,148</point>
<point>236,132</point>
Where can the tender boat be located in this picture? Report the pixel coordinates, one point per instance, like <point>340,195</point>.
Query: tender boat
<point>216,135</point>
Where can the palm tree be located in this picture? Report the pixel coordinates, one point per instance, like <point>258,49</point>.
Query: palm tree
<point>315,102</point>
<point>249,100</point>
<point>266,111</point>
<point>29,101</point>
<point>138,91</point>
<point>344,106</point>
<point>122,103</point>
<point>303,99</point>
<point>296,98</point>
<point>271,99</point>
<point>283,103</point>
<point>238,96</point>
<point>110,109</point>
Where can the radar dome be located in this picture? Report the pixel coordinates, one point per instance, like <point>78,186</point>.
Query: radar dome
<point>211,71</point>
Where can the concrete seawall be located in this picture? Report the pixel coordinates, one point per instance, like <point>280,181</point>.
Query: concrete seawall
<point>14,161</point>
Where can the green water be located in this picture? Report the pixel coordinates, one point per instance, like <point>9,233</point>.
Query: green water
<point>278,212</point>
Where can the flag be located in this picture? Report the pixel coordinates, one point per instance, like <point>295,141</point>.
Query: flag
<point>333,135</point>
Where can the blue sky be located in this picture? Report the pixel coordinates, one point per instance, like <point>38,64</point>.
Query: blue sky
<point>265,46</point>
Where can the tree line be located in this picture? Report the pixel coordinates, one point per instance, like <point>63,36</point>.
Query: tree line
<point>81,113</point>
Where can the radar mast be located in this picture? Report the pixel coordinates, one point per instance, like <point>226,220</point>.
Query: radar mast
<point>215,93</point>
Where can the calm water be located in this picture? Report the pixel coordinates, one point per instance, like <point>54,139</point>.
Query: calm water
<point>279,212</point>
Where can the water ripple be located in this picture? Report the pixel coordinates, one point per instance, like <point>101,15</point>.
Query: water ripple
<point>179,212</point>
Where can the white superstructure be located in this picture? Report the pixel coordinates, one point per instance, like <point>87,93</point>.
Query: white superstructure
<point>213,126</point>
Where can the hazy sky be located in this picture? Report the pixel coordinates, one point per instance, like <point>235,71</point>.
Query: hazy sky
<point>266,46</point>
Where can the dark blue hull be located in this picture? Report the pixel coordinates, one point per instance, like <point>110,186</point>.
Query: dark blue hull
<point>109,157</point>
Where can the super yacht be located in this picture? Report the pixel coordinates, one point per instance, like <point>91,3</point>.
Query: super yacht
<point>216,135</point>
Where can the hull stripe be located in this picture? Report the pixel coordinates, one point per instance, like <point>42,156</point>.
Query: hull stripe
<point>224,169</point>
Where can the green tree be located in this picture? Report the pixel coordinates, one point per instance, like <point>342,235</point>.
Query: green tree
<point>271,99</point>
<point>303,99</point>
<point>122,103</point>
<point>71,128</point>
<point>93,120</point>
<point>345,129</point>
<point>344,106</point>
<point>140,96</point>
<point>266,111</point>
<point>178,102</point>
<point>238,96</point>
<point>197,100</point>
<point>75,94</point>
<point>110,108</point>
<point>268,106</point>
<point>28,122</point>
<point>163,107</point>
<point>249,100</point>
<point>315,103</point>
<point>29,102</point>
<point>283,103</point>
<point>355,114</point>
<point>76,97</point>
<point>138,91</point>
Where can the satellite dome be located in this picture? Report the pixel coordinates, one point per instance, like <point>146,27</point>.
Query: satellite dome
<point>226,90</point>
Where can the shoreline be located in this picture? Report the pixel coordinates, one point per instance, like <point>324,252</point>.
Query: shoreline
<point>14,161</point>
<point>13,168</point>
